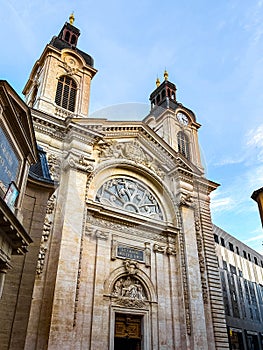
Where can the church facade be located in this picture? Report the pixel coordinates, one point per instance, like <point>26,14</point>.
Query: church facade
<point>127,255</point>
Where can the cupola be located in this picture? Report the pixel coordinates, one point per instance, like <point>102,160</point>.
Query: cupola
<point>165,94</point>
<point>69,33</point>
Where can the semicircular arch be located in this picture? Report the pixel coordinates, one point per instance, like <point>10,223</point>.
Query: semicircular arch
<point>114,169</point>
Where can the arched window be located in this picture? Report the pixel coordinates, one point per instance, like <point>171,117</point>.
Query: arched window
<point>66,93</point>
<point>67,35</point>
<point>73,39</point>
<point>183,144</point>
<point>130,195</point>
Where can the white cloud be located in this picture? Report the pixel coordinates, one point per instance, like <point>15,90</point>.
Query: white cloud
<point>229,160</point>
<point>255,137</point>
<point>219,204</point>
<point>254,238</point>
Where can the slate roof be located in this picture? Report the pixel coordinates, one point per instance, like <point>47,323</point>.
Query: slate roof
<point>61,44</point>
<point>40,170</point>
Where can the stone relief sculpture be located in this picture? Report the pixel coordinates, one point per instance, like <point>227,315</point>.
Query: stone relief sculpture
<point>129,292</point>
<point>129,195</point>
<point>132,151</point>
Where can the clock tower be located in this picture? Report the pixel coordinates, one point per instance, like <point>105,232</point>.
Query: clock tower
<point>173,122</point>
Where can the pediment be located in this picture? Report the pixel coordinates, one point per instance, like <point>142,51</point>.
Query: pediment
<point>138,151</point>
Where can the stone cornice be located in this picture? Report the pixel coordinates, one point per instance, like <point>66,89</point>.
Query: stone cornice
<point>129,219</point>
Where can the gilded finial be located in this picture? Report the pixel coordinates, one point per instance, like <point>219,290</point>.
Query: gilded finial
<point>165,74</point>
<point>157,82</point>
<point>71,18</point>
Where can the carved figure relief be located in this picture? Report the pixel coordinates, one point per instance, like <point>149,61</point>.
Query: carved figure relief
<point>129,195</point>
<point>129,292</point>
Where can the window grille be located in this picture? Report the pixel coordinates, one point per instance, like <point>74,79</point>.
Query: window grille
<point>66,93</point>
<point>183,144</point>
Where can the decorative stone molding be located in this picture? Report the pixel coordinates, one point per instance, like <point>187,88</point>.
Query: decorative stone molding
<point>184,278</point>
<point>132,151</point>
<point>78,281</point>
<point>101,235</point>
<point>94,223</point>
<point>199,240</point>
<point>63,113</point>
<point>54,162</point>
<point>45,234</point>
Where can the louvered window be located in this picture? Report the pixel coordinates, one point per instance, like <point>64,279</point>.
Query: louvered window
<point>183,144</point>
<point>66,93</point>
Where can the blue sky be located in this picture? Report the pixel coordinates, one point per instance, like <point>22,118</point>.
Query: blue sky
<point>213,51</point>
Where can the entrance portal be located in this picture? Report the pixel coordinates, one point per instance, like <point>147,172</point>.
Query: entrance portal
<point>127,332</point>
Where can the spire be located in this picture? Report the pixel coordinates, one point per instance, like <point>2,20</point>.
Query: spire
<point>157,82</point>
<point>71,18</point>
<point>165,74</point>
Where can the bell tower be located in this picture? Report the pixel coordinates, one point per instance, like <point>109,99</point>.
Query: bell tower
<point>59,83</point>
<point>173,122</point>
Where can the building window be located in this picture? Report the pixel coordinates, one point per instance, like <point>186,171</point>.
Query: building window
<point>255,260</point>
<point>183,144</point>
<point>216,238</point>
<point>249,257</point>
<point>231,247</point>
<point>237,250</point>
<point>245,254</point>
<point>66,93</point>
<point>222,241</point>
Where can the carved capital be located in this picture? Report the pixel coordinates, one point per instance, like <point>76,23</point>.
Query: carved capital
<point>170,250</point>
<point>186,200</point>
<point>80,163</point>
<point>158,248</point>
<point>101,235</point>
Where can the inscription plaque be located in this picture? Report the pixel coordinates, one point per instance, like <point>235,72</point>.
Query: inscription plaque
<point>130,253</point>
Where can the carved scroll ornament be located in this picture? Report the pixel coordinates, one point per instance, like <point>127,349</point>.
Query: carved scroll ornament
<point>129,195</point>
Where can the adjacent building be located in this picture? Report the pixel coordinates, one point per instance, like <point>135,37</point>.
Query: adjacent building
<point>241,272</point>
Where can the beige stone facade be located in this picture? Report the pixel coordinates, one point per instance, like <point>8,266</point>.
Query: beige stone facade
<point>127,256</point>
